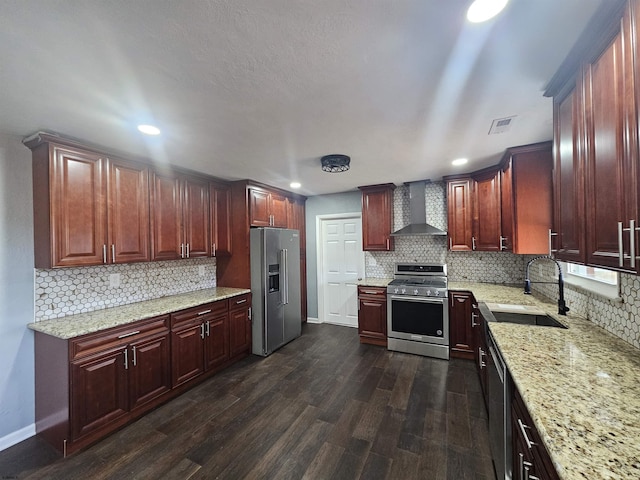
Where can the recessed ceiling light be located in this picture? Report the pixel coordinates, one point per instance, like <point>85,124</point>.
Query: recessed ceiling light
<point>459,161</point>
<point>295,185</point>
<point>483,10</point>
<point>149,129</point>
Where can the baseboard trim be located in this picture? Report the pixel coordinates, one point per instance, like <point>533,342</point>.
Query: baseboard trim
<point>342,324</point>
<point>313,320</point>
<point>17,436</point>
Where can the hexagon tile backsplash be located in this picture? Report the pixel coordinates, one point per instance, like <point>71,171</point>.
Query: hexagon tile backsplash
<point>65,291</point>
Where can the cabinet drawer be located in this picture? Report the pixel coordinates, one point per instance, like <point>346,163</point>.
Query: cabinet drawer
<point>372,291</point>
<point>95,342</point>
<point>240,301</point>
<point>194,315</point>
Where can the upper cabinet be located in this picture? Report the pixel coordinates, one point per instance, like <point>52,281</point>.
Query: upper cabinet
<point>267,208</point>
<point>88,209</point>
<point>179,217</point>
<point>596,94</point>
<point>377,217</point>
<point>220,210</point>
<point>503,208</point>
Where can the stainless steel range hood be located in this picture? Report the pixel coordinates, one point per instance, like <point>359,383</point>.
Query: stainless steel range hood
<point>418,214</point>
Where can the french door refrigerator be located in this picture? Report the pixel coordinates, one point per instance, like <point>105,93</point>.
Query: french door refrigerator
<point>275,286</point>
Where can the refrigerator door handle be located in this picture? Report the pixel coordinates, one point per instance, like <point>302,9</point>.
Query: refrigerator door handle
<point>285,280</point>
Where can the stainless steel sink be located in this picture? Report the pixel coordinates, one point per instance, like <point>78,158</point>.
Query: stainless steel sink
<point>527,319</point>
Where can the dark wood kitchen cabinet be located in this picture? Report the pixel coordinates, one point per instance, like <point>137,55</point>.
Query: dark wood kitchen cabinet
<point>240,325</point>
<point>372,315</point>
<point>377,217</point>
<point>99,381</point>
<point>296,221</point>
<point>220,222</point>
<point>89,208</point>
<point>180,220</point>
<point>526,188</point>
<point>530,458</point>
<point>199,340</point>
<point>460,214</point>
<point>486,211</point>
<point>596,93</point>
<point>267,208</point>
<point>463,322</point>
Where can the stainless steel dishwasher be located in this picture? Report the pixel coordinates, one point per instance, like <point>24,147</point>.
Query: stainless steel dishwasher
<point>499,386</point>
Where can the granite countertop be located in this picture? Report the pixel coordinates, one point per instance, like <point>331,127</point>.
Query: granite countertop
<point>83,323</point>
<point>581,387</point>
<point>374,282</point>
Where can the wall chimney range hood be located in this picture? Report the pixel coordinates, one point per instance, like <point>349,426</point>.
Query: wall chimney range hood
<point>417,214</point>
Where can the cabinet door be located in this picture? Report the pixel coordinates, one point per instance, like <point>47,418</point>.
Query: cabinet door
<point>609,102</point>
<point>568,180</point>
<point>149,369</point>
<point>99,391</point>
<point>78,211</point>
<point>239,331</point>
<point>487,220</point>
<point>377,218</point>
<point>128,212</point>
<point>187,353</point>
<point>220,211</point>
<point>372,316</point>
<point>507,206</point>
<point>216,347</point>
<point>166,218</point>
<point>196,218</point>
<point>459,215</point>
<point>260,216</point>
<point>278,210</point>
<point>462,319</point>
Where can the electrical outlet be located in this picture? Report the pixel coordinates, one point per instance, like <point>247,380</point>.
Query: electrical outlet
<point>114,280</point>
<point>201,270</point>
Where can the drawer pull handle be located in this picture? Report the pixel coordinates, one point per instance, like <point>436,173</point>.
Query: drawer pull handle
<point>370,292</point>
<point>241,301</point>
<point>125,335</point>
<point>204,312</point>
<point>523,428</point>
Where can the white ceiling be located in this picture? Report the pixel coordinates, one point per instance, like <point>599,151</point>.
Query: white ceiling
<point>261,89</point>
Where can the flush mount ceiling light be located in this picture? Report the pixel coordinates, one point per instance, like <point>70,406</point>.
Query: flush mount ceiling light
<point>459,161</point>
<point>335,163</point>
<point>295,185</point>
<point>483,10</point>
<point>149,129</point>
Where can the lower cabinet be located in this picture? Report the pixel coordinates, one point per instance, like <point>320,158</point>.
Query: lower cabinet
<point>463,321</point>
<point>531,460</point>
<point>91,385</point>
<point>240,325</point>
<point>372,315</point>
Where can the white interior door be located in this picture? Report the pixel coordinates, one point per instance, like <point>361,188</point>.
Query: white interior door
<point>341,265</point>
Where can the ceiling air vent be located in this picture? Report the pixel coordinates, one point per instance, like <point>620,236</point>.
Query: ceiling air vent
<point>501,125</point>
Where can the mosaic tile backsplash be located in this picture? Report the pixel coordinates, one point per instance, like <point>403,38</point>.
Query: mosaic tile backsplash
<point>621,317</point>
<point>66,291</point>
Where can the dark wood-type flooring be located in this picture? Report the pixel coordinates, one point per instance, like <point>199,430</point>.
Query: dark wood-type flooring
<point>322,407</point>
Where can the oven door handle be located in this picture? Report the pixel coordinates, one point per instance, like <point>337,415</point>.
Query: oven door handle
<point>440,300</point>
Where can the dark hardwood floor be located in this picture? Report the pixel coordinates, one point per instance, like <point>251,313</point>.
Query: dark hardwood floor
<point>323,406</point>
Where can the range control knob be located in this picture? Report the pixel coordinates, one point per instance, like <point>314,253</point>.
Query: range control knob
<point>437,292</point>
<point>416,291</point>
<point>428,293</point>
<point>396,290</point>
<point>404,290</point>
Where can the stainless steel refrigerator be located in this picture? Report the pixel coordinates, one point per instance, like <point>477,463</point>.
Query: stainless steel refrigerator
<point>275,286</point>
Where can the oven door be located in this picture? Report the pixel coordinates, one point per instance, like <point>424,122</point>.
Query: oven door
<point>421,319</point>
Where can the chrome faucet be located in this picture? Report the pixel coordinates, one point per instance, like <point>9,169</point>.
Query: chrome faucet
<point>562,306</point>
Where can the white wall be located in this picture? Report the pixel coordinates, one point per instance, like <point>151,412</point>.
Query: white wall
<point>17,401</point>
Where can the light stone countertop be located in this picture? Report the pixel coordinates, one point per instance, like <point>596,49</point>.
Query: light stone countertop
<point>374,282</point>
<point>82,323</point>
<point>581,387</point>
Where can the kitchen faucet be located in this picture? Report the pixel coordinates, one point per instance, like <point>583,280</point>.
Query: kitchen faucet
<point>562,306</point>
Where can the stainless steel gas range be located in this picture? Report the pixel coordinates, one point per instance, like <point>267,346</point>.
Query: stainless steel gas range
<point>417,310</point>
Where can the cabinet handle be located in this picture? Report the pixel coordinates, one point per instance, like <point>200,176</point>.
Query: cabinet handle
<point>473,319</point>
<point>204,312</point>
<point>113,253</point>
<point>521,465</point>
<point>523,428</point>
<point>473,243</point>
<point>208,328</point>
<point>552,234</point>
<point>370,292</point>
<point>250,314</point>
<point>241,301</point>
<point>126,359</point>
<point>202,331</point>
<point>187,250</point>
<point>104,254</point>
<point>632,243</point>
<point>182,250</point>
<point>481,362</point>
<point>125,335</point>
<point>213,249</point>
<point>135,356</point>
<point>388,244</point>
<point>450,243</point>
<point>503,243</point>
